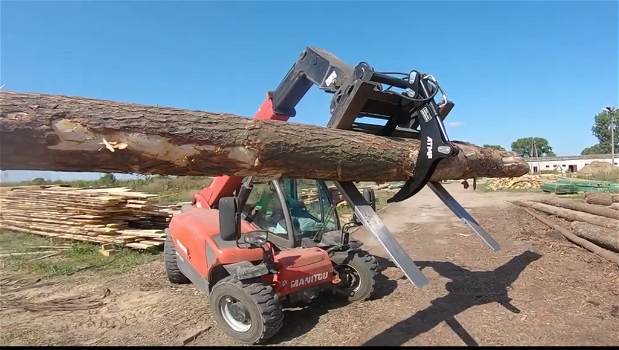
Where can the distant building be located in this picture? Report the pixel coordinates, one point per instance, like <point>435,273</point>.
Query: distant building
<point>566,163</point>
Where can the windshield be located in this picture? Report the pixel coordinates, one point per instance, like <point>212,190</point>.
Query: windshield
<point>312,212</point>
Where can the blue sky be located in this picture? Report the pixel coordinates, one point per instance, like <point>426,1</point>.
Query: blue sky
<point>513,68</point>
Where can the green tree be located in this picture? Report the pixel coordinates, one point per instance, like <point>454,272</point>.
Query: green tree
<point>601,130</point>
<point>500,148</point>
<point>532,146</point>
<point>107,179</point>
<point>595,149</point>
<point>38,181</point>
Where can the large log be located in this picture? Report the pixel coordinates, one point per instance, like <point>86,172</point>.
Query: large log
<point>603,237</point>
<point>583,207</point>
<point>61,133</point>
<point>597,198</point>
<point>592,247</point>
<point>571,215</point>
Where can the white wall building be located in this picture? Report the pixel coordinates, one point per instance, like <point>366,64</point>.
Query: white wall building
<point>566,163</point>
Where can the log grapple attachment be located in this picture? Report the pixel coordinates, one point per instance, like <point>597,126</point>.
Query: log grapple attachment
<point>358,92</point>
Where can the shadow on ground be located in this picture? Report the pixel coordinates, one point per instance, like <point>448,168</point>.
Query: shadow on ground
<point>466,289</point>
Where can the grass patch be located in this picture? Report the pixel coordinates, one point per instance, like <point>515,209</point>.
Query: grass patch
<point>69,259</point>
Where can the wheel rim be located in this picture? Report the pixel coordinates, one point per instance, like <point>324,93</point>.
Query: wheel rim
<point>235,314</point>
<point>351,279</point>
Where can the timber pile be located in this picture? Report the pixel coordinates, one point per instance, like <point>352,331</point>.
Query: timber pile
<point>311,195</point>
<point>523,182</point>
<point>605,199</point>
<point>593,227</point>
<point>108,215</point>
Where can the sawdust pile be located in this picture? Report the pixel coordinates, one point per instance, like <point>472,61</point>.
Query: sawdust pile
<point>522,182</point>
<point>597,167</point>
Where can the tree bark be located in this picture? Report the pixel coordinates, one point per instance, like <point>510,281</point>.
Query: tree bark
<point>597,198</point>
<point>602,237</point>
<point>61,133</point>
<point>583,207</point>
<point>572,215</point>
<point>599,251</point>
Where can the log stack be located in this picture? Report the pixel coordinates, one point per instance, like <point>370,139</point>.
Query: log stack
<point>108,215</point>
<point>605,199</point>
<point>592,226</point>
<point>522,182</point>
<point>311,195</point>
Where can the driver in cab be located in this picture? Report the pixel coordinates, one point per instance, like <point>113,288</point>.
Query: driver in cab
<point>268,211</point>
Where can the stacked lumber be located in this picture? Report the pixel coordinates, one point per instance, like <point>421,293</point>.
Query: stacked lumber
<point>592,226</point>
<point>311,195</point>
<point>522,182</point>
<point>591,185</point>
<point>106,216</point>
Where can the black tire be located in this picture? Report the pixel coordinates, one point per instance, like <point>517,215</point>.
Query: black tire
<point>262,304</point>
<point>367,274</point>
<point>171,267</point>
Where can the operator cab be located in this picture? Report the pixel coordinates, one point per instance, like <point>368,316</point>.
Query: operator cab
<point>296,213</point>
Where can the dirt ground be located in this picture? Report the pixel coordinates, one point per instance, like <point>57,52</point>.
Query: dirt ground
<point>538,290</point>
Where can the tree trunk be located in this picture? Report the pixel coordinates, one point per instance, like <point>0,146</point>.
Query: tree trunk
<point>583,207</point>
<point>602,237</point>
<point>594,248</point>
<point>598,198</point>
<point>60,133</point>
<point>572,215</point>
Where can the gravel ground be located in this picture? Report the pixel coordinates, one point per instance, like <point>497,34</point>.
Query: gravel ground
<point>538,290</point>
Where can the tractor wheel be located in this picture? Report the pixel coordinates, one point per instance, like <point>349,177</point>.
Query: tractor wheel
<point>171,267</point>
<point>248,312</point>
<point>359,273</point>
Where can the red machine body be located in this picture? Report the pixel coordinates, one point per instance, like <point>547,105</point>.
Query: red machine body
<point>198,243</point>
<point>196,232</point>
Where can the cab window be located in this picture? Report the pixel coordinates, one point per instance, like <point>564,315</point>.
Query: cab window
<point>313,211</point>
<point>265,209</point>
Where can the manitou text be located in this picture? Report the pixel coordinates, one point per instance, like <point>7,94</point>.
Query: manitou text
<point>309,279</point>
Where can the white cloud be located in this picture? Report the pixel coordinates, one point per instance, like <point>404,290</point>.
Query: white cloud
<point>455,124</point>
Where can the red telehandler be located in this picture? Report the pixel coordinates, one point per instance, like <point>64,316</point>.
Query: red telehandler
<point>253,257</point>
